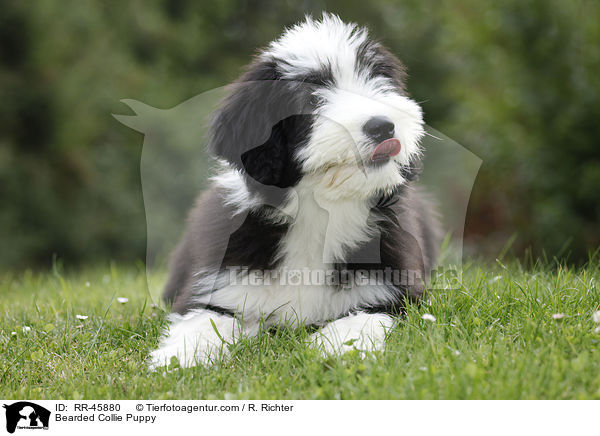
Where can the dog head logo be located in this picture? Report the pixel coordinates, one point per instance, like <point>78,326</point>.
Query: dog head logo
<point>26,415</point>
<point>176,158</point>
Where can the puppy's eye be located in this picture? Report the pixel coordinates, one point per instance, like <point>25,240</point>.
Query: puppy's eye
<point>315,100</point>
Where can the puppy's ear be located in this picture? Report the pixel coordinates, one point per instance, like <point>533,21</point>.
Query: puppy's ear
<point>375,60</point>
<point>260,124</point>
<point>273,163</point>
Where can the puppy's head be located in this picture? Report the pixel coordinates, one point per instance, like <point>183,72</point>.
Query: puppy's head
<point>323,105</point>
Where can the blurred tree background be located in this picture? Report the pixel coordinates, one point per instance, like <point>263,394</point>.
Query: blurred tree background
<point>516,82</point>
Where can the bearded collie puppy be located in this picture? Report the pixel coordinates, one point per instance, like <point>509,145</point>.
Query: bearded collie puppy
<point>312,218</point>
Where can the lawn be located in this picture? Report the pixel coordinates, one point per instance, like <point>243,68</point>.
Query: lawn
<point>494,337</point>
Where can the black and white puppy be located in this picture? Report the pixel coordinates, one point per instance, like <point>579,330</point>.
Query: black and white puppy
<point>317,145</point>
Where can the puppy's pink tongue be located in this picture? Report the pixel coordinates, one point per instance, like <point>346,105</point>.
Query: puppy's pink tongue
<point>385,150</point>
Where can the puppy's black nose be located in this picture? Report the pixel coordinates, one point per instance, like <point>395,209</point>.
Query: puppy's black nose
<point>379,129</point>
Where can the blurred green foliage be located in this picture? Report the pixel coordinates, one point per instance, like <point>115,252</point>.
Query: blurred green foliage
<point>516,82</point>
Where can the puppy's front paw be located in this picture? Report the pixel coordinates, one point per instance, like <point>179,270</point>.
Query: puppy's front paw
<point>193,352</point>
<point>363,331</point>
<point>199,337</point>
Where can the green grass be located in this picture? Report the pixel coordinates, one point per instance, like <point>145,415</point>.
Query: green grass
<point>494,338</point>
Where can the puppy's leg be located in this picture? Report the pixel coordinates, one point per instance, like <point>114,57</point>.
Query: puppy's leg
<point>193,339</point>
<point>362,331</point>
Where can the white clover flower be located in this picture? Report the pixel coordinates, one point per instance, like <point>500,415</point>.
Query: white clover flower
<point>123,300</point>
<point>26,329</point>
<point>13,333</point>
<point>428,317</point>
<point>596,316</point>
<point>81,317</point>
<point>558,316</point>
<point>87,284</point>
